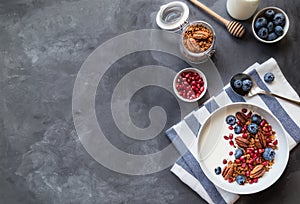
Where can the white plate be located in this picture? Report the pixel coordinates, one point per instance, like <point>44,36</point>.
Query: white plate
<point>213,148</point>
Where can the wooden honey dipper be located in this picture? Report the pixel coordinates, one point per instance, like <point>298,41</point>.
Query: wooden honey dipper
<point>235,28</point>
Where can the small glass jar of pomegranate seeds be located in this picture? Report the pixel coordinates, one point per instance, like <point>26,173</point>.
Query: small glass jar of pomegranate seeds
<point>190,84</point>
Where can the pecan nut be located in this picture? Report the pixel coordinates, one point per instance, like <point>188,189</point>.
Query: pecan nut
<point>242,142</point>
<point>258,171</point>
<point>260,141</point>
<point>192,45</point>
<point>257,143</point>
<point>200,35</point>
<point>241,117</point>
<point>227,171</point>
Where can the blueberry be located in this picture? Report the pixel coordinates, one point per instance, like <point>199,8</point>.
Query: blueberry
<point>247,85</point>
<point>218,170</point>
<point>270,27</point>
<point>272,36</point>
<point>230,120</point>
<point>237,84</point>
<point>260,22</point>
<point>263,33</point>
<point>279,30</point>
<point>240,179</point>
<point>238,153</point>
<point>252,128</point>
<point>269,154</point>
<point>269,77</point>
<point>269,14</point>
<point>256,119</point>
<point>279,19</point>
<point>237,129</point>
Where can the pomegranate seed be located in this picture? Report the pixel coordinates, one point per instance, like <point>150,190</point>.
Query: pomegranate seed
<point>247,173</point>
<point>275,142</point>
<point>243,165</point>
<point>231,153</point>
<point>265,163</point>
<point>226,137</point>
<point>224,161</point>
<point>242,157</point>
<point>261,150</point>
<point>231,136</point>
<point>238,123</point>
<point>250,166</point>
<point>270,128</point>
<point>251,161</point>
<point>250,149</point>
<point>244,135</point>
<point>255,180</point>
<point>265,129</point>
<point>230,180</point>
<point>230,127</point>
<point>268,140</point>
<point>231,143</point>
<point>257,160</point>
<point>250,181</point>
<point>237,161</point>
<point>262,123</point>
<point>244,110</point>
<point>249,114</point>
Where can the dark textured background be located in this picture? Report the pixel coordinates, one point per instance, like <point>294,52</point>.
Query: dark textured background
<point>43,44</point>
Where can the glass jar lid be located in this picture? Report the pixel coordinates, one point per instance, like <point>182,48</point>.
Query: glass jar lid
<point>172,16</point>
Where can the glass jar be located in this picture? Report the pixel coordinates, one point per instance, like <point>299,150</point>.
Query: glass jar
<point>242,9</point>
<point>199,55</point>
<point>174,17</point>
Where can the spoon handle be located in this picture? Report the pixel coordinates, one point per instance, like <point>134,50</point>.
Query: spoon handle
<point>283,97</point>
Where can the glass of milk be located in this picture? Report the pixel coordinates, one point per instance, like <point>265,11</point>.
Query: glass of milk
<point>241,9</point>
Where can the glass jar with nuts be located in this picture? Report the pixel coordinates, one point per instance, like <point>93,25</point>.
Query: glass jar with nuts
<point>198,41</point>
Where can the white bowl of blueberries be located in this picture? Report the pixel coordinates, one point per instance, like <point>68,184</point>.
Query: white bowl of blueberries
<point>270,24</point>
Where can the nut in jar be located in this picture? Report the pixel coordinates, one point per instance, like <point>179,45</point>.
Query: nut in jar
<point>198,41</point>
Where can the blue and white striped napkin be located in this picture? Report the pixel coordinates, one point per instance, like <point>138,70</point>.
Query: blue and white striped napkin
<point>185,132</point>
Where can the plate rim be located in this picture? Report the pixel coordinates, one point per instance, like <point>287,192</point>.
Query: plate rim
<point>285,139</point>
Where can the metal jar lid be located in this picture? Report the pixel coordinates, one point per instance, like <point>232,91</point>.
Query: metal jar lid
<point>172,16</point>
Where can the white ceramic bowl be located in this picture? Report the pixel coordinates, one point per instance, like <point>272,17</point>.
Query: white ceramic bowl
<point>261,14</point>
<point>189,70</point>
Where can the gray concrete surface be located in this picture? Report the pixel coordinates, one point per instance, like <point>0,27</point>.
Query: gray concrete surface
<point>42,47</point>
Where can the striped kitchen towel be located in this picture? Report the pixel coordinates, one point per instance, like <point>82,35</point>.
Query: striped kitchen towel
<point>185,132</point>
